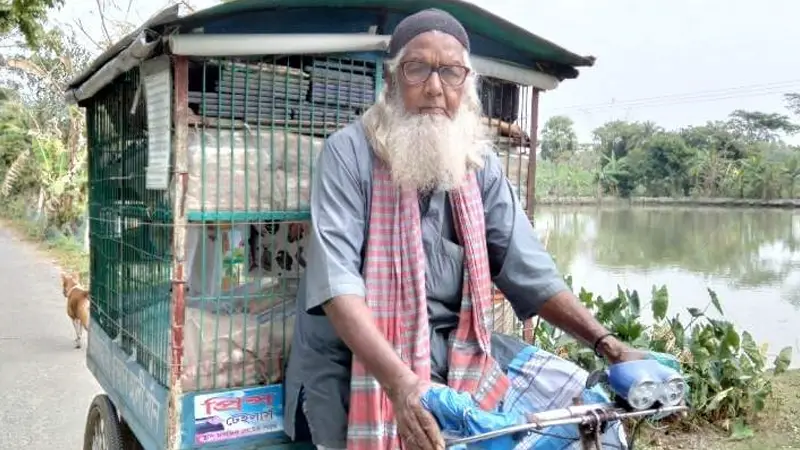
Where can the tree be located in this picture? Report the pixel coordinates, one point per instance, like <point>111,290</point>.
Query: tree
<point>26,17</point>
<point>793,102</point>
<point>792,171</point>
<point>558,138</point>
<point>43,137</point>
<point>716,136</point>
<point>613,175</point>
<point>759,126</point>
<point>664,168</point>
<point>709,170</point>
<point>621,137</point>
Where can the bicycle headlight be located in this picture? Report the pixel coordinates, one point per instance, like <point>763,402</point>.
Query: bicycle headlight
<point>644,383</point>
<point>636,382</point>
<point>644,394</point>
<point>673,389</point>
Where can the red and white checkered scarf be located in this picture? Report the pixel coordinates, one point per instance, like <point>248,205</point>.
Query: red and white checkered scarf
<point>395,280</point>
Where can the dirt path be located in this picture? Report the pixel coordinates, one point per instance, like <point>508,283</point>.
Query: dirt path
<point>43,378</point>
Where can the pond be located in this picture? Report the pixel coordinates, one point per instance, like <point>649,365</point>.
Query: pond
<point>750,257</point>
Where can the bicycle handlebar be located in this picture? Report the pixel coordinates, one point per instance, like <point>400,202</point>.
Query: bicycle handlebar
<point>596,414</point>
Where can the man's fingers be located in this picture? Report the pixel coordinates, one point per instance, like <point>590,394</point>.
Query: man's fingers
<point>418,437</point>
<point>432,432</point>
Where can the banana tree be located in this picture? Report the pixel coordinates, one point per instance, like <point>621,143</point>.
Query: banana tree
<point>50,160</point>
<point>610,172</point>
<point>58,169</point>
<point>791,171</point>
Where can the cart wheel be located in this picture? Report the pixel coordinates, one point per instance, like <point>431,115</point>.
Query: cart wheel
<point>102,426</point>
<point>129,441</point>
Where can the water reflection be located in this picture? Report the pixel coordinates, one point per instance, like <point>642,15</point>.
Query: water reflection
<point>750,257</point>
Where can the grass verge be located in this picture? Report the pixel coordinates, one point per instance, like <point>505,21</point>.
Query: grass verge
<point>777,428</point>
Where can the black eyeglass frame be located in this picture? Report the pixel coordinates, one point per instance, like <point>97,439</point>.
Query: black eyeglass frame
<point>438,69</point>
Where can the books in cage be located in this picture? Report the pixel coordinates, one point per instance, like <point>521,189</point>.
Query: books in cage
<point>256,83</point>
<point>343,65</point>
<point>238,67</point>
<point>349,91</point>
<point>262,92</point>
<point>215,105</point>
<point>323,75</point>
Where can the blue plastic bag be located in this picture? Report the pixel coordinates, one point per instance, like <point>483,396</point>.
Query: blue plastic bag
<point>666,360</point>
<point>460,416</point>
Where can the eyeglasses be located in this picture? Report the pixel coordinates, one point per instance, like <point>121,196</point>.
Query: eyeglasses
<point>416,72</point>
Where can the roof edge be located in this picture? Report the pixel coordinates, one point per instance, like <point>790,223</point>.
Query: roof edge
<point>165,16</point>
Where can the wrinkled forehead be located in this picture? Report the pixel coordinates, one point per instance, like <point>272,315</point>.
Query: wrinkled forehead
<point>435,47</point>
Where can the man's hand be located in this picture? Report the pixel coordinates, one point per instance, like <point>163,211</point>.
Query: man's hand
<point>353,321</point>
<point>616,351</point>
<point>416,426</point>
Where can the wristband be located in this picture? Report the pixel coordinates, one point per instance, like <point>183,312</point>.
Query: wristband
<point>600,340</point>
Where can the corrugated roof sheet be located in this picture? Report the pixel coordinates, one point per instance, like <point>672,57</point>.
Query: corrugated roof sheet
<point>530,50</point>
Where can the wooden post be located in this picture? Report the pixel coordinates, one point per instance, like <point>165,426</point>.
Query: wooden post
<point>534,136</point>
<point>180,110</point>
<point>527,327</point>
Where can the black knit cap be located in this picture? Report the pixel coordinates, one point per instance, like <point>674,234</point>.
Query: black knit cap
<point>426,20</point>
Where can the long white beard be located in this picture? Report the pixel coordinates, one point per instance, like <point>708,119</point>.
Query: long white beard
<point>427,152</point>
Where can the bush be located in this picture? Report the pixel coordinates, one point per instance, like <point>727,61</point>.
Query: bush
<point>726,369</point>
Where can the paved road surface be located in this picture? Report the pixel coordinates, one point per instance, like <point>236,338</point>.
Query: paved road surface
<point>44,383</point>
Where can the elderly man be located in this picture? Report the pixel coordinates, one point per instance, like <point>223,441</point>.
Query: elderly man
<point>412,220</point>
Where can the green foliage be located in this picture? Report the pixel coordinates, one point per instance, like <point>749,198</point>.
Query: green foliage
<point>793,102</point>
<point>554,179</point>
<point>759,126</point>
<point>558,138</point>
<point>725,368</point>
<point>42,144</point>
<point>744,156</point>
<point>26,17</point>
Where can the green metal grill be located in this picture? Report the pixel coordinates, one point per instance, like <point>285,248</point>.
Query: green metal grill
<point>253,131</point>
<point>130,232</point>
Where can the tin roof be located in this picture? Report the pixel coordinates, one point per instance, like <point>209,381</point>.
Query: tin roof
<point>474,18</point>
<point>491,35</point>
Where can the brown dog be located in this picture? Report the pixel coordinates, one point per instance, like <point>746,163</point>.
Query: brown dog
<point>77,304</point>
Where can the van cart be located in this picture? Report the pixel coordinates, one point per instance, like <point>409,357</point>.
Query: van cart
<point>202,134</point>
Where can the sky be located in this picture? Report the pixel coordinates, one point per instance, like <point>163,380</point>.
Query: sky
<point>676,62</point>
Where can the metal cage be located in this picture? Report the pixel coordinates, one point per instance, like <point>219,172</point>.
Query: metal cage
<point>253,131</point>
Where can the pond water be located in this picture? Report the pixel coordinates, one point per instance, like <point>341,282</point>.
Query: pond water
<point>750,257</point>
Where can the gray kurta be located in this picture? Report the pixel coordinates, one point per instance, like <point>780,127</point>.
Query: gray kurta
<point>341,194</point>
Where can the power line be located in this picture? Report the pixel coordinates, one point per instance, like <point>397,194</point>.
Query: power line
<point>693,97</point>
<point>687,101</point>
<point>730,90</point>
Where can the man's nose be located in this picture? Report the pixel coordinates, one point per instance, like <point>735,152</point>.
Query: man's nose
<point>433,85</point>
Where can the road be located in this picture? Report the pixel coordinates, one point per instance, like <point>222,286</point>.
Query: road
<point>44,379</point>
